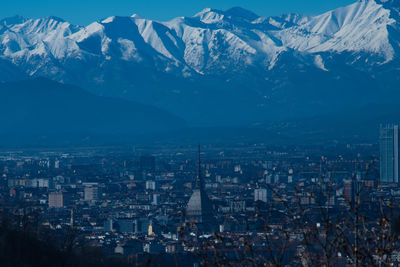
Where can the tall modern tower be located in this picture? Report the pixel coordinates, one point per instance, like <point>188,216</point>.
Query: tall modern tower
<point>389,150</point>
<point>199,209</point>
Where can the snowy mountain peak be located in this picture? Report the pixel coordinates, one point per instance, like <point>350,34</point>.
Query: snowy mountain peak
<point>235,14</point>
<point>209,15</point>
<point>206,11</point>
<point>360,27</point>
<point>136,16</point>
<point>108,20</point>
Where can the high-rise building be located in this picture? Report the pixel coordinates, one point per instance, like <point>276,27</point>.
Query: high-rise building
<point>389,154</point>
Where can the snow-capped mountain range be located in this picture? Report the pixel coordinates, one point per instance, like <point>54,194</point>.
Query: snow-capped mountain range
<point>218,62</point>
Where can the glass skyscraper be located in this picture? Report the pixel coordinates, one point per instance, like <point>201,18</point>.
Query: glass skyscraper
<point>389,151</point>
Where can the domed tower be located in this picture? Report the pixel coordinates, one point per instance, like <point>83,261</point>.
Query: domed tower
<point>200,208</point>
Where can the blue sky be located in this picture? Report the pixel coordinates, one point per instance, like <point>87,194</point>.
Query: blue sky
<point>83,12</point>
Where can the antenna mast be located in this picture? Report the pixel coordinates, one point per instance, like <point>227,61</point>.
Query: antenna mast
<point>199,184</point>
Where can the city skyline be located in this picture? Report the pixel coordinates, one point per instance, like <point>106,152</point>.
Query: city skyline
<point>199,133</point>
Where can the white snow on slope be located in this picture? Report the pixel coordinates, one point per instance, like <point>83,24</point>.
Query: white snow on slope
<point>361,26</point>
<point>211,40</point>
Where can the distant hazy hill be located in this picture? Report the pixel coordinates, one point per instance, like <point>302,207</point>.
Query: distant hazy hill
<point>42,106</point>
<point>352,125</point>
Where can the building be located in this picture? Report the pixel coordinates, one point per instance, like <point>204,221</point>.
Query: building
<point>260,194</point>
<point>238,206</point>
<point>56,200</point>
<point>199,210</point>
<point>141,225</point>
<point>353,189</point>
<point>389,154</point>
<point>156,199</point>
<point>56,164</point>
<point>348,190</point>
<point>150,185</point>
<point>91,193</point>
<point>109,225</point>
<point>126,226</point>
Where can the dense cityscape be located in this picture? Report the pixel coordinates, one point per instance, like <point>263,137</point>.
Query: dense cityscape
<point>206,205</point>
<point>199,133</point>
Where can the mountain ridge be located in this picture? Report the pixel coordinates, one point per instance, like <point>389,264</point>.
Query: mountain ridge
<point>204,67</point>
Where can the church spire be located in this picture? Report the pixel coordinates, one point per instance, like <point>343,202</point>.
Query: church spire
<point>200,208</point>
<point>199,182</point>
